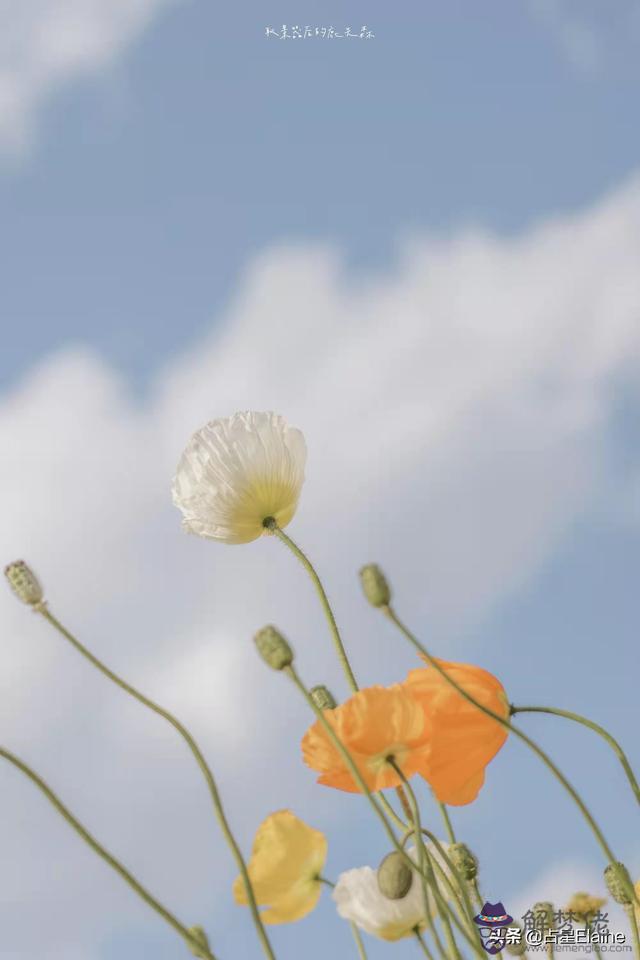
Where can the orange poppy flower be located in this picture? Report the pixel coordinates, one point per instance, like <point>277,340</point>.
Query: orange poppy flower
<point>463,739</point>
<point>374,724</point>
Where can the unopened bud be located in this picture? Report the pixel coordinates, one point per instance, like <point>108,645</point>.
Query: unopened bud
<point>24,583</point>
<point>520,946</point>
<point>273,648</point>
<point>619,883</point>
<point>395,876</point>
<point>323,698</point>
<point>198,934</point>
<point>543,913</point>
<point>375,586</point>
<point>465,862</point>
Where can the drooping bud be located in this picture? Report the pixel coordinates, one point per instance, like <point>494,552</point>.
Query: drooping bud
<point>200,936</point>
<point>24,583</point>
<point>520,947</point>
<point>273,648</point>
<point>375,586</point>
<point>465,862</point>
<point>323,698</point>
<point>619,885</point>
<point>584,907</point>
<point>394,876</point>
<point>543,913</point>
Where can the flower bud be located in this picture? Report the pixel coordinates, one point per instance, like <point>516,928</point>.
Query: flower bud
<point>395,876</point>
<point>517,949</point>
<point>200,936</point>
<point>619,883</point>
<point>323,698</point>
<point>465,862</point>
<point>375,586</point>
<point>273,648</point>
<point>24,583</point>
<point>543,913</point>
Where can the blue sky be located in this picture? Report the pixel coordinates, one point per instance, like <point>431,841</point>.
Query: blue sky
<point>422,248</point>
<point>149,184</point>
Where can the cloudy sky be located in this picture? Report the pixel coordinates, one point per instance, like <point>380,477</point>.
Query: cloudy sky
<point>422,248</point>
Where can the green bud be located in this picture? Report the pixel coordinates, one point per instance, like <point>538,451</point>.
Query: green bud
<point>375,586</point>
<point>543,911</point>
<point>395,876</point>
<point>323,698</point>
<point>200,936</point>
<point>465,862</point>
<point>273,648</point>
<point>24,583</point>
<point>619,883</point>
<point>517,949</point>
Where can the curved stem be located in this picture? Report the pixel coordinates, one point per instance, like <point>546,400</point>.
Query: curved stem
<point>425,858</point>
<point>271,525</point>
<point>613,743</point>
<point>97,847</point>
<point>291,672</point>
<point>362,953</point>
<point>326,606</point>
<point>540,753</point>
<point>422,944</point>
<point>199,758</point>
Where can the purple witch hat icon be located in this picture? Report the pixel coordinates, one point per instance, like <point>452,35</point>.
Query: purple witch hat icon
<point>493,915</point>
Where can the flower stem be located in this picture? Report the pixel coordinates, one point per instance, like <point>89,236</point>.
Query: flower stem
<point>103,853</point>
<point>199,758</point>
<point>271,525</point>
<point>362,953</point>
<point>447,822</point>
<point>633,921</point>
<point>613,743</point>
<point>540,753</point>
<point>422,944</point>
<point>291,672</point>
<point>428,874</point>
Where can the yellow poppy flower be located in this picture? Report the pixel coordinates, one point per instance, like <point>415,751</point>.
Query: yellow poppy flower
<point>285,866</point>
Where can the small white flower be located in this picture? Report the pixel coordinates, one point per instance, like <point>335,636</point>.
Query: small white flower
<point>237,472</point>
<point>359,900</point>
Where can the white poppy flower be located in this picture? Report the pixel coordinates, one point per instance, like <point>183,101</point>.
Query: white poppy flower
<point>359,900</point>
<point>236,472</point>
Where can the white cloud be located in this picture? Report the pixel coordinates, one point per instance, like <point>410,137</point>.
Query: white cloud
<point>455,411</point>
<point>46,43</point>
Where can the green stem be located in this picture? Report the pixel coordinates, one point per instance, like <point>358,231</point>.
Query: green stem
<point>362,953</point>
<point>468,909</point>
<point>422,944</point>
<point>425,862</point>
<point>291,672</point>
<point>199,758</point>
<point>271,525</point>
<point>613,743</point>
<point>447,822</point>
<point>540,753</point>
<point>103,853</point>
<point>633,921</point>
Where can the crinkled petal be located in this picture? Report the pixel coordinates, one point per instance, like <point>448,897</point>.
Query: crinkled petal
<point>236,472</point>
